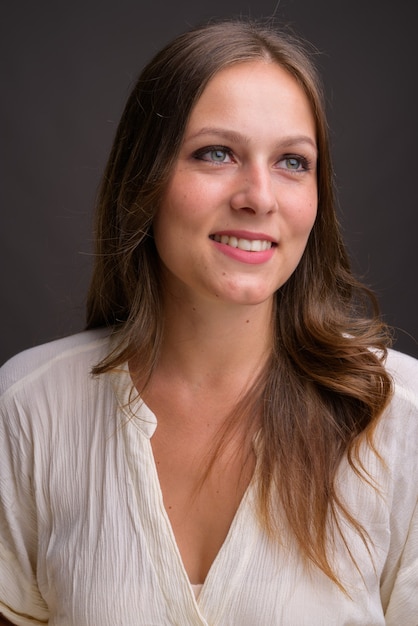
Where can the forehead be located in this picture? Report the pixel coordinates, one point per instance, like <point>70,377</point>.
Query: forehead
<point>254,94</point>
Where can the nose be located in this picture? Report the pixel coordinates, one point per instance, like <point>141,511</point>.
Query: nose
<point>255,192</point>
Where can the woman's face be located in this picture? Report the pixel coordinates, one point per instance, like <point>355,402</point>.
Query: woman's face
<point>242,198</point>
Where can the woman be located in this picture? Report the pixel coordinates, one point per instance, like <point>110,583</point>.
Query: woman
<point>243,452</point>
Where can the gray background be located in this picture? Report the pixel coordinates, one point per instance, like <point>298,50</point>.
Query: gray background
<point>67,68</point>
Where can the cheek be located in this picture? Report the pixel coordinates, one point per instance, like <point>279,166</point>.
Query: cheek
<point>163,230</point>
<point>173,225</point>
<point>181,203</point>
<point>310,214</point>
<point>301,217</point>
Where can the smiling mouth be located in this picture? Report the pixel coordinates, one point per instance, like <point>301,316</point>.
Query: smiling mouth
<point>249,245</point>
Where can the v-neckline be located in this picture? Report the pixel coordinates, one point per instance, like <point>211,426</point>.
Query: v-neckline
<point>138,426</point>
<point>162,521</point>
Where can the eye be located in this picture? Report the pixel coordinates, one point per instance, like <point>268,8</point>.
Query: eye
<point>218,155</point>
<point>294,163</point>
<point>214,154</point>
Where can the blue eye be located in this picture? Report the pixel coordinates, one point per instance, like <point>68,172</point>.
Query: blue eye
<point>293,163</point>
<point>218,155</point>
<point>214,154</point>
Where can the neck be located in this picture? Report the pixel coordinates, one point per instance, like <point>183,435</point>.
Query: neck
<point>210,344</point>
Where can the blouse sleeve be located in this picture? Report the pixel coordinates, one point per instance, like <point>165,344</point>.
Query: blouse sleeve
<point>399,583</point>
<point>402,607</point>
<point>20,599</point>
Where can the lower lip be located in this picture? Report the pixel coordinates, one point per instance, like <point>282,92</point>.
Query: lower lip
<point>243,256</point>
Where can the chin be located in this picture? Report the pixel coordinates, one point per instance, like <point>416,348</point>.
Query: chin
<point>250,297</point>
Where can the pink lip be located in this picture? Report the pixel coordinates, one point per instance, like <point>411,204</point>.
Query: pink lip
<point>244,256</point>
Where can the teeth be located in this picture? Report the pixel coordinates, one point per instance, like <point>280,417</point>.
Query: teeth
<point>251,245</point>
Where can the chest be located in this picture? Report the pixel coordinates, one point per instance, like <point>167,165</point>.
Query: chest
<point>109,554</point>
<point>201,488</point>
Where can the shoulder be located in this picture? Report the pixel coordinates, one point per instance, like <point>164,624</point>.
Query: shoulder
<point>49,390</point>
<point>403,369</point>
<point>68,357</point>
<point>397,430</point>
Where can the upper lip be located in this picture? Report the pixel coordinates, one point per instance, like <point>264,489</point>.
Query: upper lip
<point>245,234</point>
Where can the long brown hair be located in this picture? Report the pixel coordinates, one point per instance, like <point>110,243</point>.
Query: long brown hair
<point>325,384</point>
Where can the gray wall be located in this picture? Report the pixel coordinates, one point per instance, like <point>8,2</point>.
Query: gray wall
<point>67,68</point>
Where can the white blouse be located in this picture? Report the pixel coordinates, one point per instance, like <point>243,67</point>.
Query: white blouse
<point>85,539</point>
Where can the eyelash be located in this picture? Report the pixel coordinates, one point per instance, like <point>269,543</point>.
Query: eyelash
<point>199,154</point>
<point>304,162</point>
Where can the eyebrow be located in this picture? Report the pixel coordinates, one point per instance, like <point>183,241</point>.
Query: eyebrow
<point>236,137</point>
